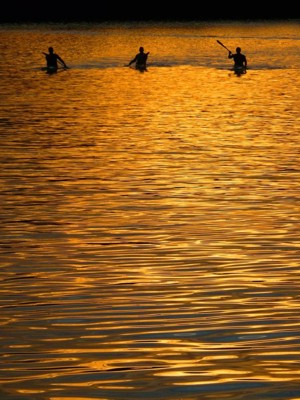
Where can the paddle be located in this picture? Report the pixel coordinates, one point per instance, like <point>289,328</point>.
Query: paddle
<point>223,45</point>
<point>63,66</point>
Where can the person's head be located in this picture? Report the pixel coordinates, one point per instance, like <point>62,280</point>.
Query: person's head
<point>141,49</point>
<point>51,50</point>
<point>238,49</point>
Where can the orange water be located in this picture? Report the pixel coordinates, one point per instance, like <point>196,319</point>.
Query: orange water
<point>150,221</point>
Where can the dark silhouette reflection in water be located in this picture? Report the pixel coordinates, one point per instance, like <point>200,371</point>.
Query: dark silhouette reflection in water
<point>141,69</point>
<point>53,70</point>
<point>239,71</point>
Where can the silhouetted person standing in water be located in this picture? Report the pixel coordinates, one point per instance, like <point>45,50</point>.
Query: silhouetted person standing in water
<point>52,59</point>
<point>240,60</point>
<point>140,59</point>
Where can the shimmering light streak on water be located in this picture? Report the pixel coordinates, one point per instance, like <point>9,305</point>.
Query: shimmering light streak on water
<point>150,221</point>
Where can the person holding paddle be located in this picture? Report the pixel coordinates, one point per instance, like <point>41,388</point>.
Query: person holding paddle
<point>240,60</point>
<point>52,59</point>
<point>140,60</point>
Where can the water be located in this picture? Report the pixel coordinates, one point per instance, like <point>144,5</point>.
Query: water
<point>150,221</point>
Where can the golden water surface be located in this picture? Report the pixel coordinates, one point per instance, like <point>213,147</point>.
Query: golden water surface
<point>150,233</point>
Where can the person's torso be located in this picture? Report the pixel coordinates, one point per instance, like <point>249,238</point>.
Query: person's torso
<point>239,59</point>
<point>51,60</point>
<point>141,58</point>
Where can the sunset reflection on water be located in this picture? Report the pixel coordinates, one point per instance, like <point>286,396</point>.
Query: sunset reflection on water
<point>150,221</point>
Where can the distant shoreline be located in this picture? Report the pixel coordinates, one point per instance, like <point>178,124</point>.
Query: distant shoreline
<point>38,20</point>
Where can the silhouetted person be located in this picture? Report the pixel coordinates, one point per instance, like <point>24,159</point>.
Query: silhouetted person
<point>240,59</point>
<point>140,59</point>
<point>52,59</point>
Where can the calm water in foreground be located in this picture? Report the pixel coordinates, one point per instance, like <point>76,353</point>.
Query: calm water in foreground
<point>150,230</point>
